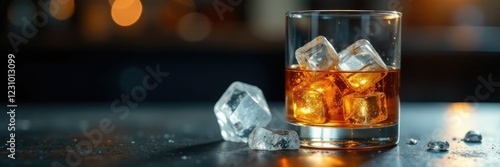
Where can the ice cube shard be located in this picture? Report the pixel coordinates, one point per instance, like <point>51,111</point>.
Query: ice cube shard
<point>364,109</point>
<point>241,108</point>
<point>316,102</point>
<point>412,142</point>
<point>361,58</point>
<point>317,54</point>
<point>273,139</point>
<point>438,145</point>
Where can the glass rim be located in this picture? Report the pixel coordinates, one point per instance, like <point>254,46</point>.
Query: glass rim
<point>344,12</point>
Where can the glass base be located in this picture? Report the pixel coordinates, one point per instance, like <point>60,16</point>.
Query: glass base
<point>348,138</point>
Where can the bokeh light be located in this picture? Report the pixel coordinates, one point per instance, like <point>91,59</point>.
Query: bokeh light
<point>172,12</point>
<point>111,2</point>
<point>178,8</point>
<point>19,9</point>
<point>194,27</point>
<point>62,9</point>
<point>126,12</point>
<point>464,38</point>
<point>469,15</point>
<point>96,21</point>
<point>267,18</point>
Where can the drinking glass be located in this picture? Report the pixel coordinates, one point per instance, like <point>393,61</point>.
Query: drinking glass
<point>342,77</point>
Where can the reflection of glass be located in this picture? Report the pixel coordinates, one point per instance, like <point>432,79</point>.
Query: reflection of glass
<point>309,157</point>
<point>342,77</point>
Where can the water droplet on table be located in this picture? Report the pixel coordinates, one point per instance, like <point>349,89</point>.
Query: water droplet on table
<point>438,145</point>
<point>412,141</point>
<point>473,136</point>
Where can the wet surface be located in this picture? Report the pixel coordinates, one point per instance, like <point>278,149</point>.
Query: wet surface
<point>187,134</point>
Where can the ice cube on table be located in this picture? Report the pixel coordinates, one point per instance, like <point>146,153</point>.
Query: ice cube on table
<point>273,139</point>
<point>365,109</point>
<point>241,108</point>
<point>364,62</point>
<point>316,102</point>
<point>438,145</point>
<point>317,54</point>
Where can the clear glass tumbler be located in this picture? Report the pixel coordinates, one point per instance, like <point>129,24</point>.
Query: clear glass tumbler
<point>342,77</point>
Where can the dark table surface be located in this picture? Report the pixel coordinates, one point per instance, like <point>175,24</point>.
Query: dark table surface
<point>187,134</point>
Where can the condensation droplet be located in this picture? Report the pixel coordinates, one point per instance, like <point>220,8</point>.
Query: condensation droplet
<point>438,145</point>
<point>412,142</point>
<point>473,136</point>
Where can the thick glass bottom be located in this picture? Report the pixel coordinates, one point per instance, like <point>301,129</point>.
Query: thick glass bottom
<point>348,138</point>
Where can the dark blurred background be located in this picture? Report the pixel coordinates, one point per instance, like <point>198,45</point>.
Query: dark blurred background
<point>95,50</point>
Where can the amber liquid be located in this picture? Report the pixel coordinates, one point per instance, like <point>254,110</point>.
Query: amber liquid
<point>333,89</point>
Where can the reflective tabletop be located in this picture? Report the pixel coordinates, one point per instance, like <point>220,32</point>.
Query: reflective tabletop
<point>187,134</point>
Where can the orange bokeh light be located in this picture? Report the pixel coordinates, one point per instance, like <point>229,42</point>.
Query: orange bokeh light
<point>62,9</point>
<point>172,12</point>
<point>96,22</point>
<point>194,27</point>
<point>126,12</point>
<point>175,9</point>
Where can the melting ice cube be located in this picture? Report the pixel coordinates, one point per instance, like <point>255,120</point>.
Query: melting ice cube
<point>438,145</point>
<point>240,109</point>
<point>364,109</point>
<point>318,54</point>
<point>316,102</point>
<point>273,139</point>
<point>364,62</point>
